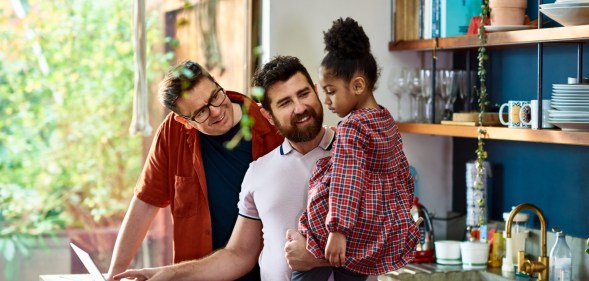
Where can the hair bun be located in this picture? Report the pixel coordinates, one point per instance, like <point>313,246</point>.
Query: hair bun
<point>346,38</point>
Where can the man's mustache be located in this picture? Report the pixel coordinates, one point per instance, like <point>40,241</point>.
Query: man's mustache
<point>299,117</point>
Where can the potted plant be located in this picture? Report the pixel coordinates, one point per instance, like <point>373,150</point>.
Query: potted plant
<point>507,12</point>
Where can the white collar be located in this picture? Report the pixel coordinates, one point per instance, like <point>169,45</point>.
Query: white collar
<point>326,142</point>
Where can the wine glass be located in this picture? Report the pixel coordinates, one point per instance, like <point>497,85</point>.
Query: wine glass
<point>426,96</point>
<point>397,84</point>
<point>448,86</point>
<point>466,78</point>
<point>413,80</point>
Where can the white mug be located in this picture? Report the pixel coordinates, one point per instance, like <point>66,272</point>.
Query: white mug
<point>529,114</point>
<point>513,109</point>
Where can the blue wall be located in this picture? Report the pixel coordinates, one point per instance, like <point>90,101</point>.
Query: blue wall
<point>554,177</point>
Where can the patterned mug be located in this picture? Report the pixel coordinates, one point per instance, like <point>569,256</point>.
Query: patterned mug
<point>532,117</point>
<point>513,109</point>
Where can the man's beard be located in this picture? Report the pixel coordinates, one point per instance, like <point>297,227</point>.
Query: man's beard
<point>296,134</point>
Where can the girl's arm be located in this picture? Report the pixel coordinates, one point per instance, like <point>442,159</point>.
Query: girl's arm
<point>347,178</point>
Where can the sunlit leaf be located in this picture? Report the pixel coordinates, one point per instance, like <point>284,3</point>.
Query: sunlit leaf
<point>258,93</point>
<point>9,249</point>
<point>258,51</point>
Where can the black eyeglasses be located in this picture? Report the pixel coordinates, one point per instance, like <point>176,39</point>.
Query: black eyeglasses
<point>203,114</point>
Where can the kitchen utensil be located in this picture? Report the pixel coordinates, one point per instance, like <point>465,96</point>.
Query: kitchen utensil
<point>424,251</point>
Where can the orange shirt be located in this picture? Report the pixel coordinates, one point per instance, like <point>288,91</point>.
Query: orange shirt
<point>174,175</point>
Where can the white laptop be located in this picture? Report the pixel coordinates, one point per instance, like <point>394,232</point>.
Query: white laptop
<point>88,263</point>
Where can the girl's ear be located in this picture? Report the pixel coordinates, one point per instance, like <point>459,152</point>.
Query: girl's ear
<point>358,85</point>
<point>267,115</point>
<point>183,121</point>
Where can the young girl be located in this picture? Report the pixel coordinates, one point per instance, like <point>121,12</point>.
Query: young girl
<point>358,211</point>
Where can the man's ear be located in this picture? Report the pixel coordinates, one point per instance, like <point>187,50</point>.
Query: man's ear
<point>358,85</point>
<point>268,115</point>
<point>183,121</point>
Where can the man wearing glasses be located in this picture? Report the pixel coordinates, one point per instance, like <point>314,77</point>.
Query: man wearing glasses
<point>190,167</point>
<point>274,190</point>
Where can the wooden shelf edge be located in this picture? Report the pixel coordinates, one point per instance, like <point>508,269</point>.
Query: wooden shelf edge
<point>555,136</point>
<point>519,37</point>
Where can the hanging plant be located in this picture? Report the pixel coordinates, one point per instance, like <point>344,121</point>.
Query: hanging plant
<point>482,100</point>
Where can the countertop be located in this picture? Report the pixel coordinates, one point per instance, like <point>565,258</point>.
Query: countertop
<point>437,272</point>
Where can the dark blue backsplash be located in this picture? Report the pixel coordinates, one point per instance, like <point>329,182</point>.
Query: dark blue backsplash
<point>554,177</point>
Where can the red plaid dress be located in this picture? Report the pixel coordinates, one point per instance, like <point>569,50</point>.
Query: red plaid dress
<point>365,191</point>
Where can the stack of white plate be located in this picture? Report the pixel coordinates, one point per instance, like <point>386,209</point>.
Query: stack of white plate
<point>570,107</point>
<point>567,12</point>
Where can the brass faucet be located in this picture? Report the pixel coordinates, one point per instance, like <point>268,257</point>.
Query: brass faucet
<point>527,266</point>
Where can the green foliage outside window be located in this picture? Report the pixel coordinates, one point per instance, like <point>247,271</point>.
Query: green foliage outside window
<point>65,149</point>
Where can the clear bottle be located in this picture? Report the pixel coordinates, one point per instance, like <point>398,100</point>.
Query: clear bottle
<point>561,263</point>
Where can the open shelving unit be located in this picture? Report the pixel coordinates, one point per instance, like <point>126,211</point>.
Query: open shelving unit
<point>505,38</point>
<point>572,34</point>
<point>499,133</point>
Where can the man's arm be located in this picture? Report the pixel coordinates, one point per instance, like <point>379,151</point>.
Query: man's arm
<point>297,256</point>
<point>133,230</point>
<point>235,260</point>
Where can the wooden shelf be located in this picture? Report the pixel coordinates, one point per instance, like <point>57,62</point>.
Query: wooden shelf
<point>506,38</point>
<point>499,133</point>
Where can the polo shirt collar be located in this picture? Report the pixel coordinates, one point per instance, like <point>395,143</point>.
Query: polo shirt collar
<point>326,142</point>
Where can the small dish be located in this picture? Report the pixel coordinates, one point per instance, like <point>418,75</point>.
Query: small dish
<point>577,100</point>
<point>568,119</point>
<point>570,107</point>
<point>570,103</point>
<point>576,87</point>
<point>571,113</point>
<point>578,93</point>
<point>494,28</point>
<point>567,96</point>
<point>572,126</point>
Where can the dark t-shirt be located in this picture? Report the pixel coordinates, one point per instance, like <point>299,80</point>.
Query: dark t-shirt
<point>225,169</point>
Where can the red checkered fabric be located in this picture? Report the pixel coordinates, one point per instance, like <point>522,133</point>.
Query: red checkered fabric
<point>365,190</point>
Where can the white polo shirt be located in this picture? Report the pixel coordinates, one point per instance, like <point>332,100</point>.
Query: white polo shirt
<point>274,190</point>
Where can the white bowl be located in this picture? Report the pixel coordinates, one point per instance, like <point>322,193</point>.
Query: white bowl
<point>568,16</point>
<point>474,254</point>
<point>448,252</point>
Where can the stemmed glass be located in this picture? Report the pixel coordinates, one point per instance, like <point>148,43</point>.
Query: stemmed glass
<point>465,94</point>
<point>426,95</point>
<point>448,86</point>
<point>397,84</point>
<point>413,79</point>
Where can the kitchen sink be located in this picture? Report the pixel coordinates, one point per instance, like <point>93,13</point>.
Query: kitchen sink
<point>433,272</point>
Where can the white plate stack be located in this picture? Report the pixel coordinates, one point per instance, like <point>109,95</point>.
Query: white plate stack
<point>570,107</point>
<point>567,12</point>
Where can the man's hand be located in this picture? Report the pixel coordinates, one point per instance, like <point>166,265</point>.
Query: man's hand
<point>335,250</point>
<point>297,256</point>
<point>152,274</point>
